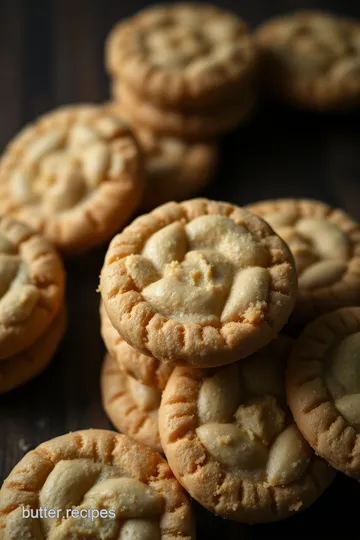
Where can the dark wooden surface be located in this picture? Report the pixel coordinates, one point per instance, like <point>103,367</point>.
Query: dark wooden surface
<point>51,54</point>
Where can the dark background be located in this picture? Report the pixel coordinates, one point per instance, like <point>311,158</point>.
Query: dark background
<point>51,53</point>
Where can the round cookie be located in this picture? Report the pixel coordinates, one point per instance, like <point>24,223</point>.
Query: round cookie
<point>132,407</point>
<point>198,282</point>
<point>232,443</point>
<point>186,55</point>
<point>323,387</point>
<point>312,59</point>
<point>196,125</point>
<point>32,282</point>
<point>145,369</point>
<point>27,364</point>
<point>325,243</point>
<point>76,175</point>
<point>89,471</point>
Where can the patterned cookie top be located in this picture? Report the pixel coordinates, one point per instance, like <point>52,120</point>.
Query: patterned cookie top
<point>201,282</point>
<point>32,282</point>
<point>94,470</point>
<point>315,55</point>
<point>182,54</point>
<point>69,172</point>
<point>325,244</point>
<point>323,384</point>
<point>132,407</point>
<point>230,438</point>
<point>145,369</point>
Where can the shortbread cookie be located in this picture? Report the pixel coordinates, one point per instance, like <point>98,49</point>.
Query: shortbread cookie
<point>91,471</point>
<point>232,443</point>
<point>132,407</point>
<point>312,59</point>
<point>145,369</point>
<point>191,125</point>
<point>26,365</point>
<point>186,55</point>
<point>325,243</point>
<point>32,282</point>
<point>76,175</point>
<point>323,387</point>
<point>198,282</point>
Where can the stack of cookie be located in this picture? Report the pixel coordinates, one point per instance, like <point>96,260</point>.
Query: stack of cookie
<point>32,311</point>
<point>182,75</point>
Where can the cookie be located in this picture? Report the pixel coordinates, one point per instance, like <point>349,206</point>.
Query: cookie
<point>132,407</point>
<point>75,175</point>
<point>193,125</point>
<point>231,441</point>
<point>89,471</point>
<point>24,366</point>
<point>199,282</point>
<point>32,282</point>
<point>183,55</point>
<point>145,369</point>
<point>325,243</point>
<point>323,387</point>
<point>312,59</point>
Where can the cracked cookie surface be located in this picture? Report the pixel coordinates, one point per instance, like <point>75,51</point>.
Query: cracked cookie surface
<point>312,59</point>
<point>131,406</point>
<point>95,469</point>
<point>325,243</point>
<point>75,175</point>
<point>182,55</point>
<point>231,441</point>
<point>32,282</point>
<point>323,386</point>
<point>199,282</point>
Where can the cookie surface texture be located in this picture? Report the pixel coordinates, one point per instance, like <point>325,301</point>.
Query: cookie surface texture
<point>199,282</point>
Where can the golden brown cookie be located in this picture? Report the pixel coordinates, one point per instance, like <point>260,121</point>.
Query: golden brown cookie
<point>145,369</point>
<point>32,282</point>
<point>312,59</point>
<point>186,55</point>
<point>232,443</point>
<point>199,282</point>
<point>89,471</point>
<point>323,387</point>
<point>325,243</point>
<point>76,175</point>
<point>132,407</point>
<point>203,124</point>
<point>25,365</point>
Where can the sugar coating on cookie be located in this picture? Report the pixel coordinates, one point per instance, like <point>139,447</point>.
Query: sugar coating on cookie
<point>182,54</point>
<point>199,282</point>
<point>95,470</point>
<point>75,175</point>
<point>312,59</point>
<point>323,386</point>
<point>325,243</point>
<point>229,438</point>
<point>32,282</point>
<point>27,364</point>
<point>131,406</point>
<point>145,369</point>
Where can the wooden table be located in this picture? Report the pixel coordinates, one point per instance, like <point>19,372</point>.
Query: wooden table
<point>50,54</point>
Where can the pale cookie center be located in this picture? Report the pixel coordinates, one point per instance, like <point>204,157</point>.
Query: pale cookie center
<point>342,377</point>
<point>146,398</point>
<point>208,271</point>
<point>243,425</point>
<point>82,484</point>
<point>63,165</point>
<point>18,295</point>
<point>320,248</point>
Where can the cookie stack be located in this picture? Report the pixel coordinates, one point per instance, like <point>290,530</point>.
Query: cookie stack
<point>32,311</point>
<point>182,75</point>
